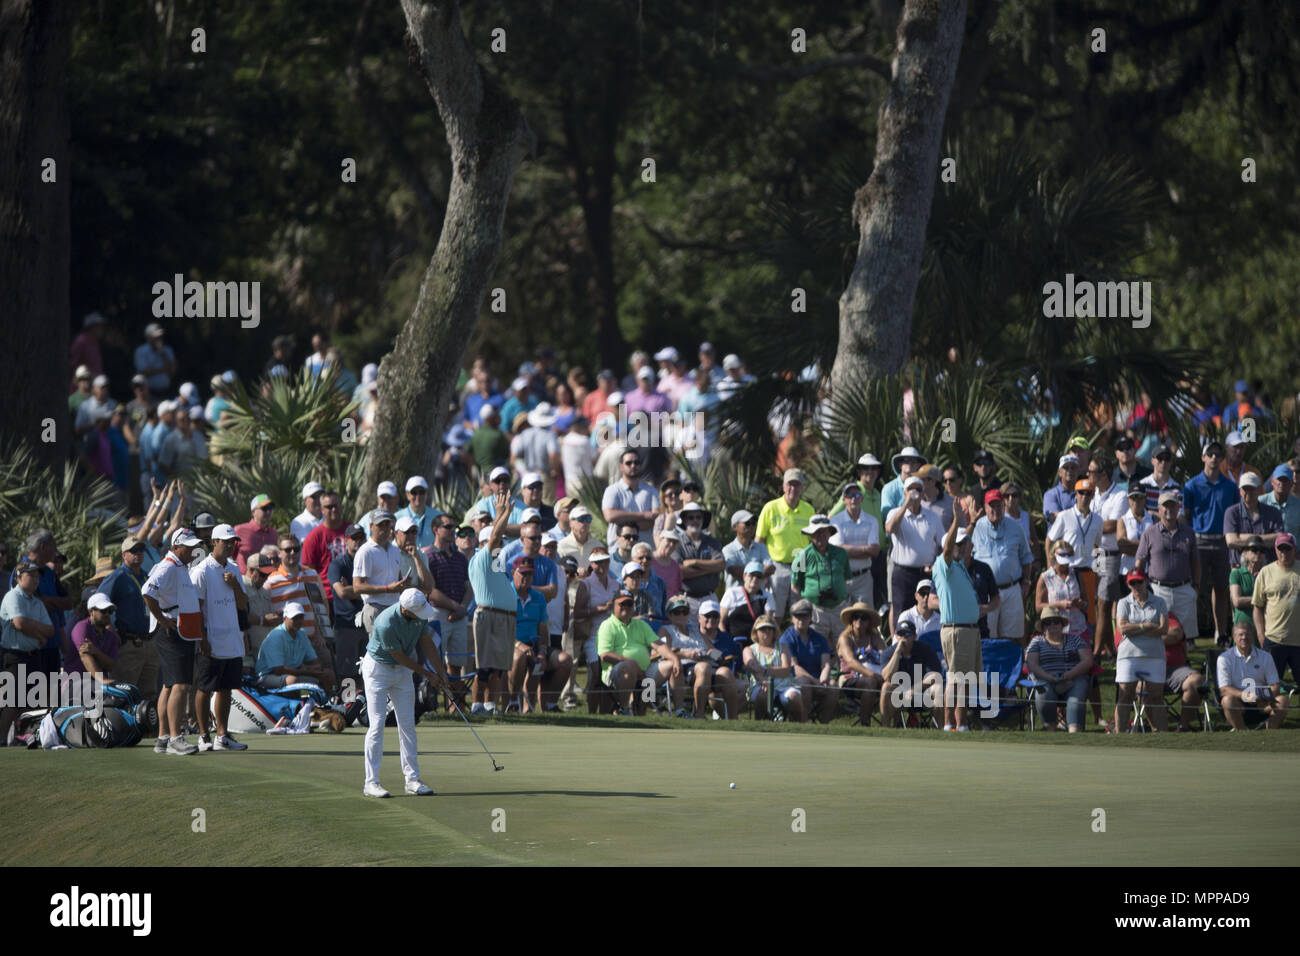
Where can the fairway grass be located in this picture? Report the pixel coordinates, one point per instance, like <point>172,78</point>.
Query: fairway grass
<point>600,795</point>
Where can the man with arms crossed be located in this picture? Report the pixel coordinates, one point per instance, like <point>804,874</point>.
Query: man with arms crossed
<point>1249,685</point>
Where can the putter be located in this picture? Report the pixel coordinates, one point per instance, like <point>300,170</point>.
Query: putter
<point>495,765</point>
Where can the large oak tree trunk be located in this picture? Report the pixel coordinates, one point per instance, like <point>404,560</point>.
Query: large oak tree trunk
<point>35,230</point>
<point>489,137</point>
<point>892,208</point>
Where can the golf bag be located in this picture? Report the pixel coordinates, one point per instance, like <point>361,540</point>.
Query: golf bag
<point>255,710</point>
<point>127,697</point>
<point>84,727</point>
<point>426,699</point>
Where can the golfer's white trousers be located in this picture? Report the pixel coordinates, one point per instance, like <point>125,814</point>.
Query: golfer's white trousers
<point>382,682</point>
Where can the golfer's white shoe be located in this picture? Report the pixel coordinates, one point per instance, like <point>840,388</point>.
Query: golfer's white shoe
<point>418,789</point>
<point>375,790</point>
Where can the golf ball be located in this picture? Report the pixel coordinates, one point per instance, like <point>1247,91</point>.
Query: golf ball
<point>733,786</point>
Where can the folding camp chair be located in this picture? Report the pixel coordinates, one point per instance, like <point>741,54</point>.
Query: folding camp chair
<point>1000,687</point>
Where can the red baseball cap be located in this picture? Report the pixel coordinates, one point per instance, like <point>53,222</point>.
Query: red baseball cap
<point>993,494</point>
<point>1284,538</point>
<point>1135,575</point>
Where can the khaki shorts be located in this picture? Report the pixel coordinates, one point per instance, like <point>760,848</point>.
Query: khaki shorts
<point>961,649</point>
<point>494,638</point>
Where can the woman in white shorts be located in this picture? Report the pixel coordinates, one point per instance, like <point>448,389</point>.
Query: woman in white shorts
<point>765,661</point>
<point>1141,620</point>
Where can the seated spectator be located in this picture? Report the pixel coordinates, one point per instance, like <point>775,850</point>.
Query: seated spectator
<point>601,588</point>
<point>625,643</point>
<point>286,656</point>
<point>651,583</point>
<point>860,646</point>
<point>95,643</point>
<point>903,663</point>
<point>708,657</point>
<point>1064,663</point>
<point>642,606</point>
<point>924,614</point>
<point>1182,679</point>
<point>766,663</point>
<point>538,671</point>
<point>811,655</point>
<point>1142,620</point>
<point>743,604</point>
<point>1249,687</point>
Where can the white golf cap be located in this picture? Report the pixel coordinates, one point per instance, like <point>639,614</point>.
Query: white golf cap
<point>913,480</point>
<point>484,534</point>
<point>185,538</point>
<point>706,348</point>
<point>224,532</point>
<point>94,318</point>
<point>487,411</point>
<point>598,556</point>
<point>530,478</point>
<point>1249,480</point>
<point>1234,437</point>
<point>669,533</point>
<point>311,488</point>
<point>478,513</point>
<point>83,371</point>
<point>500,471</point>
<point>153,330</point>
<point>963,535</point>
<point>925,583</point>
<point>530,514</point>
<point>741,517</point>
<point>579,512</point>
<point>189,391</point>
<point>196,413</point>
<point>416,481</point>
<point>294,609</point>
<point>870,461</point>
<point>668,354</point>
<point>645,371</point>
<point>387,488</point>
<point>519,384</point>
<point>731,361</point>
<point>101,381</point>
<point>164,407</point>
<point>615,399</point>
<point>405,523</point>
<point>1067,460</point>
<point>555,534</point>
<point>414,600</point>
<point>710,606</point>
<point>99,602</point>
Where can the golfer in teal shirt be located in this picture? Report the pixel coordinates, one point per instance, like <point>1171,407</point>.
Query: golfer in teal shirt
<point>401,631</point>
<point>959,612</point>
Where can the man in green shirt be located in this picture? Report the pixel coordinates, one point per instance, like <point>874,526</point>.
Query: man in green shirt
<point>391,657</point>
<point>780,525</point>
<point>489,445</point>
<point>820,573</point>
<point>1241,581</point>
<point>623,644</point>
<point>1277,617</point>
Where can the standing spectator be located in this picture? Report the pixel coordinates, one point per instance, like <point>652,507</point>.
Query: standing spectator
<point>1142,620</point>
<point>422,515</point>
<point>1283,480</point>
<point>1244,406</point>
<point>811,656</point>
<point>1059,587</point>
<point>377,570</point>
<point>183,446</point>
<point>1168,553</point>
<point>177,628</point>
<point>530,493</point>
<point>450,571</point>
<point>327,540</point>
<point>346,604</point>
<point>981,575</point>
<point>1276,615</point>
<point>601,588</point>
<point>670,500</point>
<point>312,515</point>
<point>25,627</point>
<point>743,549</point>
<point>484,394</point>
<point>1001,544</point>
<point>1207,498</point>
<point>41,550</point>
<point>933,495</point>
<point>644,398</point>
<point>858,534</point>
<point>709,363</point>
<point>1241,580</point>
<point>281,355</point>
<point>1081,527</point>
<point>82,385</point>
<point>316,362</point>
<point>1061,661</point>
<point>220,591</point>
<point>959,625</point>
<point>736,377</point>
<point>220,400</point>
<point>536,449</point>
<point>578,543</point>
<point>577,456</point>
<point>1110,503</point>
<point>98,400</point>
<point>866,473</point>
<point>1128,530</point>
<point>156,360</point>
<point>622,553</point>
<point>1234,463</point>
<point>819,574</point>
<point>489,445</point>
<point>1012,497</point>
<point>496,612</point>
<point>780,528</point>
<point>1160,480</point>
<point>905,464</point>
<point>699,554</point>
<point>1250,518</point>
<point>262,615</point>
<point>137,657</point>
<point>85,347</point>
<point>1249,682</point>
<point>1128,470</point>
<point>630,500</point>
<point>597,402</point>
<point>986,474</point>
<point>258,532</point>
<point>1061,497</point>
<point>917,538</point>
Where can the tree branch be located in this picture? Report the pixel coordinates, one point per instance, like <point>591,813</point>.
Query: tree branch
<point>770,72</point>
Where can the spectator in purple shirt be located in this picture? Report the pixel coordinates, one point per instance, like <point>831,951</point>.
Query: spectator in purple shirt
<point>94,642</point>
<point>645,398</point>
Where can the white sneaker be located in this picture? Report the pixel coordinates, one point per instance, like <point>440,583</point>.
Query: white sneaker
<point>181,747</point>
<point>478,708</point>
<point>947,728</point>
<point>375,790</point>
<point>205,743</point>
<point>489,708</point>
<point>963,729</point>
<point>418,789</point>
<point>227,742</point>
<point>161,746</point>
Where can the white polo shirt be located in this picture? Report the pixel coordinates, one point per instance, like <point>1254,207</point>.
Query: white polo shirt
<point>1112,505</point>
<point>219,611</point>
<point>622,498</point>
<point>1081,531</point>
<point>918,540</point>
<point>1234,670</point>
<point>169,584</point>
<point>379,566</point>
<point>862,533</point>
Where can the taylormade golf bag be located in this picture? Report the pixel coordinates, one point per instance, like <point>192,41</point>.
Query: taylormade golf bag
<point>255,710</point>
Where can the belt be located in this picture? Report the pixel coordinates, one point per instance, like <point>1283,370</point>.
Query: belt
<point>1211,539</point>
<point>976,624</point>
<point>1011,584</point>
<point>1110,554</point>
<point>854,574</point>
<point>1171,584</point>
<point>909,567</point>
<point>496,610</point>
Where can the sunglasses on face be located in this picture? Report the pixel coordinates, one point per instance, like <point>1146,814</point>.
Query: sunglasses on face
<point>952,478</point>
<point>290,550</point>
<point>853,496</point>
<point>464,534</point>
<point>678,610</point>
<point>1285,547</point>
<point>586,520</point>
<point>629,537</point>
<point>530,537</point>
<point>417,491</point>
<point>330,507</point>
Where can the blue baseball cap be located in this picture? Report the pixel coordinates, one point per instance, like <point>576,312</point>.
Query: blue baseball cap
<point>1283,471</point>
<point>1241,385</point>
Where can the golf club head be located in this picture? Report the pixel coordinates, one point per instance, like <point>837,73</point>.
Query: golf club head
<point>495,767</point>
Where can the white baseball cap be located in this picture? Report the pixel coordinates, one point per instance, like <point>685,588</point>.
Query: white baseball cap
<point>500,471</point>
<point>311,488</point>
<point>387,488</point>
<point>530,514</point>
<point>710,606</point>
<point>668,354</point>
<point>416,481</point>
<point>731,361</point>
<point>519,384</point>
<point>913,480</point>
<point>414,600</point>
<point>185,538</point>
<point>405,523</point>
<point>484,534</point>
<point>100,602</point>
<point>294,609</point>
<point>224,532</point>
<point>645,371</point>
<point>579,512</point>
<point>530,478</point>
<point>101,381</point>
<point>741,517</point>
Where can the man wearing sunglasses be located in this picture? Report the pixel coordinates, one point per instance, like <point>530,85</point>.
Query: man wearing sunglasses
<point>327,541</point>
<point>256,533</point>
<point>1276,607</point>
<point>1160,480</point>
<point>630,500</point>
<point>1080,526</point>
<point>449,567</point>
<point>288,585</point>
<point>311,514</point>
<point>418,510</point>
<point>743,549</point>
<point>1206,500</point>
<point>137,658</point>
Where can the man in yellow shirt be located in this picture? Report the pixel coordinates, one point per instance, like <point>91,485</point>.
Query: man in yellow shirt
<point>780,527</point>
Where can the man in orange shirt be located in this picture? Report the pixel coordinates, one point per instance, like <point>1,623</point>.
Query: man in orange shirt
<point>288,583</point>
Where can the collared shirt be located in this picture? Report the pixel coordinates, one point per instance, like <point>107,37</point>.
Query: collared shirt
<point>1246,582</point>
<point>958,603</point>
<point>341,569</point>
<point>1003,548</point>
<point>1111,505</point>
<point>871,504</point>
<point>918,540</point>
<point>492,585</point>
<point>1079,530</point>
<point>124,589</point>
<point>1058,499</point>
<point>106,640</point>
<point>450,570</point>
<point>568,547</point>
<point>284,587</point>
<point>633,639</point>
<point>1290,510</point>
<point>1122,480</point>
<point>528,615</point>
<point>1154,491</point>
<point>1168,554</point>
<point>489,504</point>
<point>220,614</point>
<point>862,533</point>
<point>394,631</point>
<point>1130,610</point>
<point>806,653</point>
<point>49,587</point>
<point>251,540</point>
<point>1277,591</point>
<point>282,649</point>
<point>598,594</point>
<point>379,566</point>
<point>707,548</point>
<point>780,528</point>
<point>891,496</point>
<point>18,603</point>
<point>1233,670</point>
<point>322,546</point>
<point>1207,501</point>
<point>620,497</point>
<point>1133,528</point>
<point>423,524</point>
<point>303,523</point>
<point>169,584</point>
<point>737,556</point>
<point>814,574</point>
<point>1236,520</point>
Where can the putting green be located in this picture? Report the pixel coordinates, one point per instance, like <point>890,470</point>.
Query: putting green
<point>598,796</point>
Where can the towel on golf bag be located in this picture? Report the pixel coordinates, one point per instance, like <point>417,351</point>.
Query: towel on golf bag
<point>301,723</point>
<point>255,710</point>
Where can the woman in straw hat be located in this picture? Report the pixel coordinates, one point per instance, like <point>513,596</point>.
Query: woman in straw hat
<point>859,648</point>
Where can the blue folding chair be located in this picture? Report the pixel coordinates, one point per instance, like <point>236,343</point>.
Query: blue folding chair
<point>1001,664</point>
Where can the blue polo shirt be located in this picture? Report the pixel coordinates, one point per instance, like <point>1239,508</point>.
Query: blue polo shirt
<point>49,587</point>
<point>958,603</point>
<point>393,631</point>
<point>491,584</point>
<point>1205,502</point>
<point>124,590</point>
<point>282,649</point>
<point>489,504</point>
<point>423,524</point>
<point>529,613</point>
<point>1058,498</point>
<point>1004,548</point>
<point>891,496</point>
<point>808,654</point>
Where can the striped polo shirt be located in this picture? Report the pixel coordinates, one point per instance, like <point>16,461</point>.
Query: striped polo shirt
<point>284,587</point>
